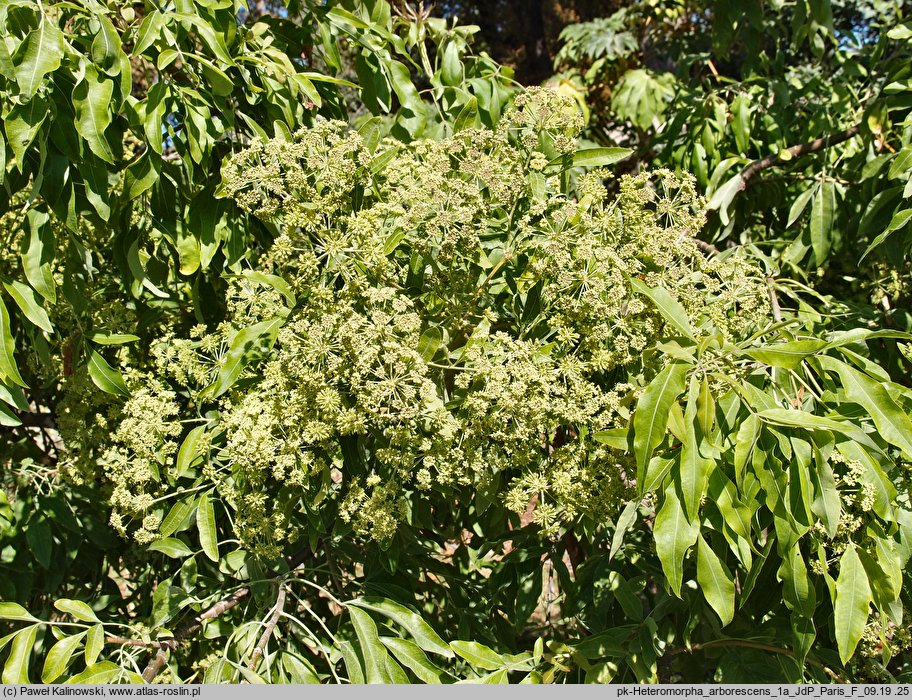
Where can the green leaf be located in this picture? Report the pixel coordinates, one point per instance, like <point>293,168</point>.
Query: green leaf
<point>673,534</point>
<point>171,547</point>
<point>190,450</point>
<point>827,504</point>
<point>429,343</point>
<point>113,338</point>
<point>352,663</point>
<point>275,282</point>
<point>787,355</point>
<point>96,674</point>
<point>372,649</point>
<point>142,174</point>
<point>371,133</point>
<point>650,420</point>
<point>43,53</point>
<point>14,611</point>
<point>257,338</point>
<point>799,205</point>
<point>15,672</point>
<point>106,50</point>
<point>627,518</point>
<point>853,596</point>
<point>902,161</point>
<point>8,369</point>
<point>59,656</point>
<point>797,589</point>
<point>478,655</point>
<point>413,657</point>
<point>38,254</point>
<point>177,516</point>
<point>22,125</point>
<point>27,300</point>
<point>77,608</point>
<point>420,630</point>
<point>148,31</point>
<point>104,376</point>
<point>467,117</point>
<point>892,422</point>
<point>715,581</point>
<point>596,157</point>
<point>822,211</point>
<point>809,421</point>
<point>667,305</point>
<point>694,471</point>
<point>205,524</point>
<point>95,640</point>
<point>299,669</point>
<point>38,536</point>
<point>723,197</point>
<point>742,122</point>
<point>92,102</point>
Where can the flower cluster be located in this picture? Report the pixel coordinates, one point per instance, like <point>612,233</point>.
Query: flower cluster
<point>451,319</point>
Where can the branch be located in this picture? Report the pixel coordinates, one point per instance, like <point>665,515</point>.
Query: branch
<point>760,646</point>
<point>277,610</point>
<point>796,152</point>
<point>188,629</point>
<point>194,625</point>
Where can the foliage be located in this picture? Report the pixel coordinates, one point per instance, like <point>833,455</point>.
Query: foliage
<point>803,107</point>
<point>425,395</point>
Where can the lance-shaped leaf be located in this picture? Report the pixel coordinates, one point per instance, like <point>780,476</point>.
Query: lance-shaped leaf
<point>422,632</point>
<point>693,467</point>
<point>411,655</point>
<point>205,524</point>
<point>38,254</point>
<point>372,650</point>
<point>43,53</point>
<point>786,355</point>
<point>58,658</point>
<point>674,534</point>
<point>893,424</point>
<point>30,304</point>
<point>822,212</point>
<point>715,581</point>
<point>92,102</point>
<point>853,596</point>
<point>15,672</point>
<point>8,368</point>
<point>667,305</point>
<point>22,125</point>
<point>105,377</point>
<point>650,420</point>
<point>245,344</point>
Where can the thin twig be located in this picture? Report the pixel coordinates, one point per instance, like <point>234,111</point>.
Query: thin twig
<point>190,628</point>
<point>795,152</point>
<point>774,300</point>
<point>126,641</point>
<point>277,610</point>
<point>760,646</point>
<point>194,625</point>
